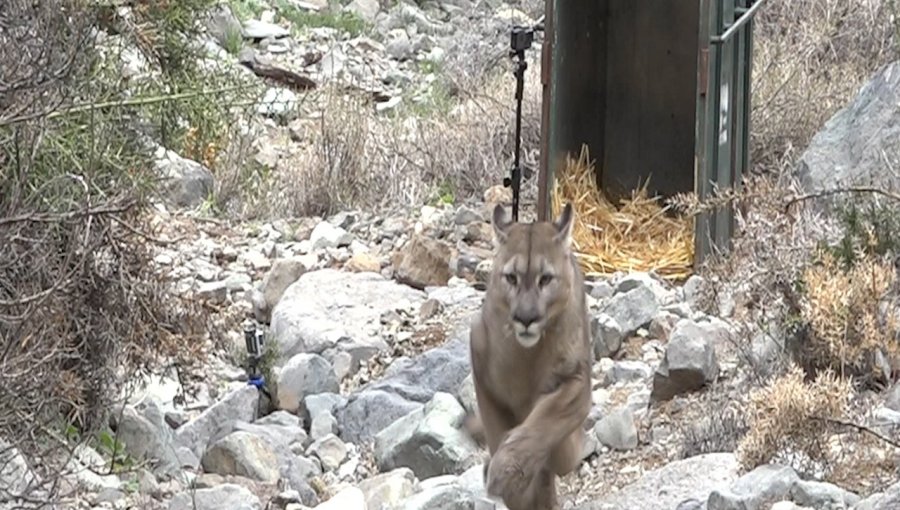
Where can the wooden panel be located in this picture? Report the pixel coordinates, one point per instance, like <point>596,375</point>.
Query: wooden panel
<point>651,96</point>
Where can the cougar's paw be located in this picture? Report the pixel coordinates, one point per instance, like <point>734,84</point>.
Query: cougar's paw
<point>511,470</point>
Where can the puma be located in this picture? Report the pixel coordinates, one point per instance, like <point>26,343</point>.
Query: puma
<point>531,360</point>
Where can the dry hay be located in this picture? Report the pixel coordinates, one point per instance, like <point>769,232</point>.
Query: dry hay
<point>638,236</point>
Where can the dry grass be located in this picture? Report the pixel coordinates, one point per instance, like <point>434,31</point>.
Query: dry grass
<point>790,416</point>
<point>638,235</point>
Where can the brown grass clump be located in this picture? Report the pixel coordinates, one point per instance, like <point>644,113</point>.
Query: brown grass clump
<point>791,416</point>
<point>846,327</point>
<point>637,236</point>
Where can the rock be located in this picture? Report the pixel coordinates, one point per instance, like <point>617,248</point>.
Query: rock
<point>219,419</point>
<point>406,388</point>
<point>243,454</point>
<point>617,430</point>
<point>222,24</point>
<point>633,309</point>
<point>283,273</point>
<point>322,425</point>
<point>349,498</point>
<point>146,436</point>
<point>689,363</point>
<point>465,393</point>
<point>859,144</point>
<point>16,476</point>
<point>226,496</point>
<point>887,500</point>
<point>302,375</point>
<point>385,491</point>
<point>766,483</point>
<point>217,292</point>
<point>399,47</point>
<point>363,263</point>
<point>662,325</point>
<point>277,102</point>
<point>600,290</point>
<point>326,235</point>
<point>322,403</point>
<point>256,29</point>
<point>440,497</point>
<point>329,308</point>
<point>330,450</point>
<point>188,183</point>
<point>607,335</point>
<point>822,495</point>
<point>693,288</point>
<point>367,10</point>
<point>423,262</point>
<point>664,488</point>
<point>428,440</point>
<point>626,371</point>
<point>892,400</point>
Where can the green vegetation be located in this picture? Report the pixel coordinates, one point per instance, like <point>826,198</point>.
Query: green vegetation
<point>342,21</point>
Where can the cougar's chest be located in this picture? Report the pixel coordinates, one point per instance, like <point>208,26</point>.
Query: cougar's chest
<point>518,378</point>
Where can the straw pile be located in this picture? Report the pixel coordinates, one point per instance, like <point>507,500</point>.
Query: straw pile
<point>638,236</point>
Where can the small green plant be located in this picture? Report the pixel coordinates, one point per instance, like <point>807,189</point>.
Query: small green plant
<point>246,9</point>
<point>869,227</point>
<point>234,41</point>
<point>114,449</point>
<point>443,195</point>
<point>342,21</point>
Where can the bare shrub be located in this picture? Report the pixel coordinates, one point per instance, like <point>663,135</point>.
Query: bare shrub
<point>810,58</point>
<point>791,420</point>
<point>82,309</point>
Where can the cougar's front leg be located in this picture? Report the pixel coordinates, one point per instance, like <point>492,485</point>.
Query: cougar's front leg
<point>567,454</point>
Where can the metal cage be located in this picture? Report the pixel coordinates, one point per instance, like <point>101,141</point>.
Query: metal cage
<point>658,90</point>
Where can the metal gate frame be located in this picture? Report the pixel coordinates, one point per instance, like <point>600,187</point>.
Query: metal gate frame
<point>725,55</point>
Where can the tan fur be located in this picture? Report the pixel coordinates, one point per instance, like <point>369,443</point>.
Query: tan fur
<point>532,397</point>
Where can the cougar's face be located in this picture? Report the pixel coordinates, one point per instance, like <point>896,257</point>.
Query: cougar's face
<point>532,272</point>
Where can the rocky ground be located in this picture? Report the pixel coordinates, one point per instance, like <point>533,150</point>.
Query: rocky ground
<point>366,320</point>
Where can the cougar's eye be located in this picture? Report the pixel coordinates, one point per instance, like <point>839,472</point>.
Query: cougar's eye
<point>545,280</point>
<point>511,278</point>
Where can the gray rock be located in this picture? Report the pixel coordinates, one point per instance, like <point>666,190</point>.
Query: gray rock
<point>281,429</point>
<point>323,425</point>
<point>256,29</point>
<point>861,142</point>
<point>690,362</point>
<point>617,430</point>
<point>405,387</point>
<point>243,454</point>
<point>892,400</point>
<point>147,436</point>
<point>423,262</point>
<point>822,495</point>
<point>387,490</point>
<point>226,496</point>
<point>16,476</point>
<point>765,484</point>
<point>222,24</point>
<point>217,292</point>
<point>277,102</point>
<point>349,498</point>
<point>314,405</point>
<point>187,183</point>
<point>428,441</point>
<point>607,335</point>
<point>465,393</point>
<point>218,420</point>
<point>633,309</point>
<point>465,215</point>
<point>887,500</point>
<point>600,290</point>
<point>625,371</point>
<point>330,450</point>
<point>370,411</point>
<point>664,488</point>
<point>367,10</point>
<point>399,47</point>
<point>326,235</point>
<point>329,308</point>
<point>448,496</point>
<point>693,288</point>
<point>304,374</point>
<point>283,273</point>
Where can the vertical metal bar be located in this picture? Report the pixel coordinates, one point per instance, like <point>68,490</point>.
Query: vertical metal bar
<point>724,134</point>
<point>702,131</point>
<point>545,173</point>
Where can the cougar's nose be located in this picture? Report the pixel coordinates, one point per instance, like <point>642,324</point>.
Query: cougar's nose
<point>526,318</point>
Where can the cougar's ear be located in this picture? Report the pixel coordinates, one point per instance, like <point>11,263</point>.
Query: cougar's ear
<point>500,224</point>
<point>563,225</point>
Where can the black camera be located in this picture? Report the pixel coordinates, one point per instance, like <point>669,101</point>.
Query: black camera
<point>521,39</point>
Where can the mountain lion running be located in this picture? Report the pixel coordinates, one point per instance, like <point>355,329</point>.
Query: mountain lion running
<point>531,361</point>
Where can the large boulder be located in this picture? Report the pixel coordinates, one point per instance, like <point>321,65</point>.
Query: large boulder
<point>224,496</point>
<point>690,361</point>
<point>665,488</point>
<point>860,144</point>
<point>423,262</point>
<point>218,420</point>
<point>406,385</point>
<point>329,309</point>
<point>187,182</point>
<point>243,454</point>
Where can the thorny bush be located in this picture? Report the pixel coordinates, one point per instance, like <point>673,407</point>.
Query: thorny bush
<point>82,310</point>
